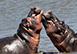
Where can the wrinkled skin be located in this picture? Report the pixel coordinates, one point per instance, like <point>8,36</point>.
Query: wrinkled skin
<point>63,37</point>
<point>30,28</point>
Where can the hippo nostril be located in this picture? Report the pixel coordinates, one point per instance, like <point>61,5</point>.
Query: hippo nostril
<point>49,11</point>
<point>36,9</point>
<point>33,8</point>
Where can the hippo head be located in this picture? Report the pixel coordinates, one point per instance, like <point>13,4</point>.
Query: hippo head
<point>30,27</point>
<point>59,33</point>
<point>32,23</point>
<point>51,22</point>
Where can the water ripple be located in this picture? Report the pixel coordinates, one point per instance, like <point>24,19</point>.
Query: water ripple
<point>12,11</point>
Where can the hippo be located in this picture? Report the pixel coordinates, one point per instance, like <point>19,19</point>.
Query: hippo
<point>30,29</point>
<point>26,40</point>
<point>62,36</point>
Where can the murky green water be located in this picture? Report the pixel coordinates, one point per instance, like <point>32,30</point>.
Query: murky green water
<point>12,11</point>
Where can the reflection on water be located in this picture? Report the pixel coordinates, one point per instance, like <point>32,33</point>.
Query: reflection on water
<point>12,11</point>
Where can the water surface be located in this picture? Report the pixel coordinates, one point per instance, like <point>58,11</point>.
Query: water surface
<point>12,11</point>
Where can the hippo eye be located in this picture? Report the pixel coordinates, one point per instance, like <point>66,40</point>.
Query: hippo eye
<point>38,31</point>
<point>48,22</point>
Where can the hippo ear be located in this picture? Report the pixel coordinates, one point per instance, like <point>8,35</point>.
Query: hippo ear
<point>23,19</point>
<point>31,12</point>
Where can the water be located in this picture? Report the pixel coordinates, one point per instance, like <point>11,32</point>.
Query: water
<point>12,11</point>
